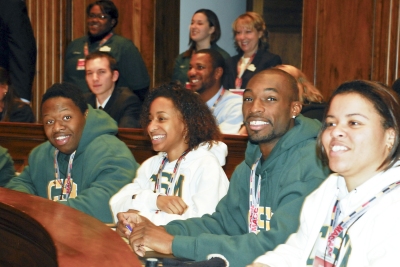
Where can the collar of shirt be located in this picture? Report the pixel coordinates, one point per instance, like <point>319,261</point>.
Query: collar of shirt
<point>98,104</point>
<point>211,102</point>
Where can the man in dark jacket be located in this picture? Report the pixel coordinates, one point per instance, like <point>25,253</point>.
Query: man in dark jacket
<point>119,102</point>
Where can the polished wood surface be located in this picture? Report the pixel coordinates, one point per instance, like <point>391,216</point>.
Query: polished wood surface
<point>39,232</point>
<point>21,138</point>
<point>348,40</point>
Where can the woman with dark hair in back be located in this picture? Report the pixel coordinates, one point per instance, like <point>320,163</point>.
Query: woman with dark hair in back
<point>12,108</point>
<point>204,33</point>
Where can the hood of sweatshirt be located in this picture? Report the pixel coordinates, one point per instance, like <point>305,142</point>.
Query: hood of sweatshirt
<point>304,129</point>
<point>219,149</point>
<point>97,123</point>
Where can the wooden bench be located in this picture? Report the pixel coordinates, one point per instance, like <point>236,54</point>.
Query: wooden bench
<point>21,138</point>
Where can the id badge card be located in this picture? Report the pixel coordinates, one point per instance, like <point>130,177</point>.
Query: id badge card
<point>253,219</point>
<point>323,260</point>
<point>80,64</point>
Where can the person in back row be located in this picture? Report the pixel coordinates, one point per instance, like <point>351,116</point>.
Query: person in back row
<point>119,102</point>
<point>251,42</point>
<point>18,50</point>
<point>12,108</point>
<point>83,163</point>
<point>204,33</point>
<point>352,219</point>
<point>102,18</point>
<point>311,98</point>
<point>266,191</point>
<point>185,179</point>
<point>206,69</point>
<point>7,170</point>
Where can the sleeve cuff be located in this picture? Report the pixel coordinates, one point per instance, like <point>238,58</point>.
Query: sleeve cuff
<point>184,247</point>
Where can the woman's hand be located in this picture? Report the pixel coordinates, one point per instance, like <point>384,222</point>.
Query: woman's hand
<point>171,204</point>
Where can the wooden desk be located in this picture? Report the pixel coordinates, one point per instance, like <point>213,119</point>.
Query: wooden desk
<point>21,138</point>
<point>35,231</point>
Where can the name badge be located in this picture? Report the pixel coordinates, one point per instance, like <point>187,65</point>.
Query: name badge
<point>251,67</point>
<point>105,49</point>
<point>80,64</point>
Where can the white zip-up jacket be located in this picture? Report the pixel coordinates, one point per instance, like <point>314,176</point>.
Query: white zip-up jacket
<point>373,240</point>
<point>201,183</point>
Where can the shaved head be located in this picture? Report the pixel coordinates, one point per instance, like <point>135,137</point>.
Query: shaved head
<point>289,82</point>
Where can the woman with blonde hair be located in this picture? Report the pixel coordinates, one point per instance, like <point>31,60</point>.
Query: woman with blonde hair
<point>311,98</point>
<point>251,42</point>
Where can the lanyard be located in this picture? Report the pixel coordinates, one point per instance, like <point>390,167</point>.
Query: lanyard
<point>67,184</point>
<point>354,216</point>
<point>157,187</point>
<point>103,41</point>
<point>238,81</point>
<point>254,201</point>
<point>217,101</point>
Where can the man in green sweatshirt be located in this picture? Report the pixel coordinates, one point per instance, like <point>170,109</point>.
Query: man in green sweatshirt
<point>267,190</point>
<point>83,163</point>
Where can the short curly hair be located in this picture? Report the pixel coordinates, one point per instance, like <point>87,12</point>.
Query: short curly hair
<point>199,122</point>
<point>66,90</point>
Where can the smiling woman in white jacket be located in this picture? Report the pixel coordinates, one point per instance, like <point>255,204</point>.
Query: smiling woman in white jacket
<point>186,178</point>
<point>201,184</point>
<point>352,219</point>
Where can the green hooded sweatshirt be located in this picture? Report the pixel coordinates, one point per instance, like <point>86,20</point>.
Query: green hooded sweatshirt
<point>289,174</point>
<point>7,170</point>
<point>102,165</point>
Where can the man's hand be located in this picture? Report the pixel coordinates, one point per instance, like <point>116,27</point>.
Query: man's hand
<point>131,218</point>
<point>147,234</point>
<point>171,204</point>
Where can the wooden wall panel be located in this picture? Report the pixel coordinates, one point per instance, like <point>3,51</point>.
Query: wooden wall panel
<point>166,42</point>
<point>347,40</point>
<point>309,41</point>
<point>147,36</point>
<point>386,45</point>
<point>48,22</point>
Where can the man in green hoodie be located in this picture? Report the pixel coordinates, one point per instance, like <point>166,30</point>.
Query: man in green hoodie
<point>83,163</point>
<point>267,190</point>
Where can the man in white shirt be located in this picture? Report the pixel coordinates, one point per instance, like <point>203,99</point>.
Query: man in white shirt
<point>206,68</point>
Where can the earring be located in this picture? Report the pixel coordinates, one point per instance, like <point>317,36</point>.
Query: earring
<point>294,117</point>
<point>185,136</point>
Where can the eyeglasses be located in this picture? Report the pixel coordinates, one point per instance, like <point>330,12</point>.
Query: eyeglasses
<point>99,16</point>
